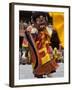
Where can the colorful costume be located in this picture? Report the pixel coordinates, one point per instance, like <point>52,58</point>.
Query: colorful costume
<point>39,44</point>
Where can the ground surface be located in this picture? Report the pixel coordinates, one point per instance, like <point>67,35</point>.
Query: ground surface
<point>26,72</point>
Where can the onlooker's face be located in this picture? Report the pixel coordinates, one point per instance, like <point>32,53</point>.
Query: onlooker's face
<point>50,26</point>
<point>40,22</point>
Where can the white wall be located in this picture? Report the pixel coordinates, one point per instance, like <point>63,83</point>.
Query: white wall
<point>4,43</point>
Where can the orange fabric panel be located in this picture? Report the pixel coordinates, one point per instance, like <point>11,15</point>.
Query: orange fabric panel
<point>58,24</point>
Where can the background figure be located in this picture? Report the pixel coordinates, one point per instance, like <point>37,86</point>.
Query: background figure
<point>21,33</point>
<point>54,38</point>
<point>23,44</point>
<point>55,41</point>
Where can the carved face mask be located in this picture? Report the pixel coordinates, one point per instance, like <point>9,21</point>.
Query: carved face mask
<point>40,22</point>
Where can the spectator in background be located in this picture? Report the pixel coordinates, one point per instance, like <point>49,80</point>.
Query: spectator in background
<point>21,33</point>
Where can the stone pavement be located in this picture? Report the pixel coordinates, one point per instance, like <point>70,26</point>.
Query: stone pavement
<point>25,71</point>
